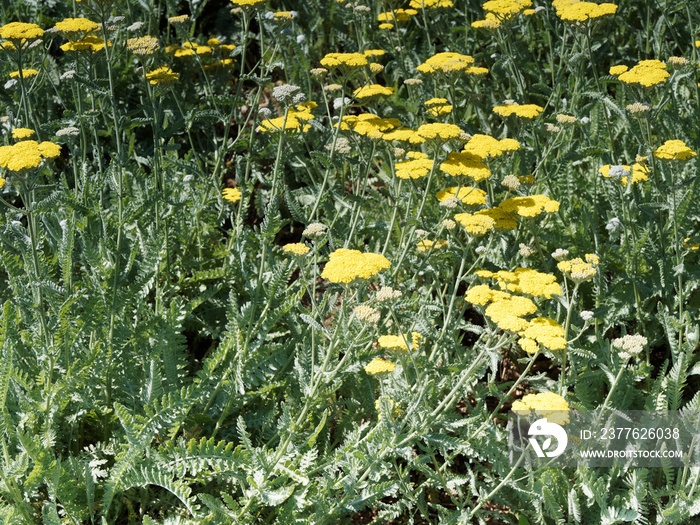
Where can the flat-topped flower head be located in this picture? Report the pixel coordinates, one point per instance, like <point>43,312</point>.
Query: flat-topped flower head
<point>546,332</point>
<point>485,146</point>
<point>466,194</point>
<point>461,164</point>
<point>344,60</point>
<point>397,15</point>
<point>475,224</point>
<point>438,131</point>
<point>646,73</point>
<point>372,90</point>
<point>26,73</point>
<point>22,133</point>
<point>414,169</point>
<point>519,110</point>
<point>504,9</point>
<point>19,32</point>
<point>423,4</point>
<point>399,342</point>
<point>231,194</point>
<point>162,76</point>
<point>70,27</point>
<point>88,44</point>
<point>674,150</point>
<point>530,206</point>
<point>447,62</point>
<point>344,265</point>
<point>379,366</point>
<point>437,107</point>
<point>367,314</point>
<point>577,11</point>
<point>143,46</point>
<point>630,345</point>
<point>639,173</point>
<point>545,404</point>
<point>248,3</point>
<point>296,248</point>
<point>27,154</point>
<point>427,245</point>
<point>579,270</point>
<point>387,294</point>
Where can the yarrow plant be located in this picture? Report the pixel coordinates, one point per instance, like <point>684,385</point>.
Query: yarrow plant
<point>295,262</point>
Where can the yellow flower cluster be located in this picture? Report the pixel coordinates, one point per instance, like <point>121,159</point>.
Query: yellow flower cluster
<point>485,146</point>
<point>163,75</point>
<point>27,154</point>
<point>344,266</point>
<point>544,331</point>
<point>344,60</point>
<point>437,107</point>
<point>404,135</point>
<point>502,219</point>
<point>466,194</point>
<point>231,194</point>
<point>369,125</point>
<point>379,366</point>
<point>504,9</point>
<point>419,166</point>
<point>439,131</point>
<point>545,404</point>
<point>618,70</point>
<point>248,3</point>
<point>639,173</point>
<point>674,150</point>
<point>70,26</point>
<point>398,342</point>
<point>466,165</point>
<point>530,206</point>
<point>426,245</point>
<point>519,110</point>
<point>524,280</point>
<point>579,270</point>
<point>26,73</point>
<point>509,311</point>
<point>296,115</point>
<point>397,15</point>
<point>143,45</point>
<point>577,11</point>
<point>647,73</point>
<point>372,90</point>
<point>22,133</point>
<point>296,248</point>
<point>490,21</point>
<point>449,62</point>
<point>20,31</point>
<point>477,223</point>
<point>91,44</point>
<point>420,4</point>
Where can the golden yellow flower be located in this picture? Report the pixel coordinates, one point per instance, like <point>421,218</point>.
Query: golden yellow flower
<point>545,404</point>
<point>231,194</point>
<point>344,266</point>
<point>22,133</point>
<point>379,366</point>
<point>519,110</point>
<point>297,248</point>
<point>674,150</point>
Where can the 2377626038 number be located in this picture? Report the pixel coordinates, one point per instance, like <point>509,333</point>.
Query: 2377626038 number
<point>639,433</point>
